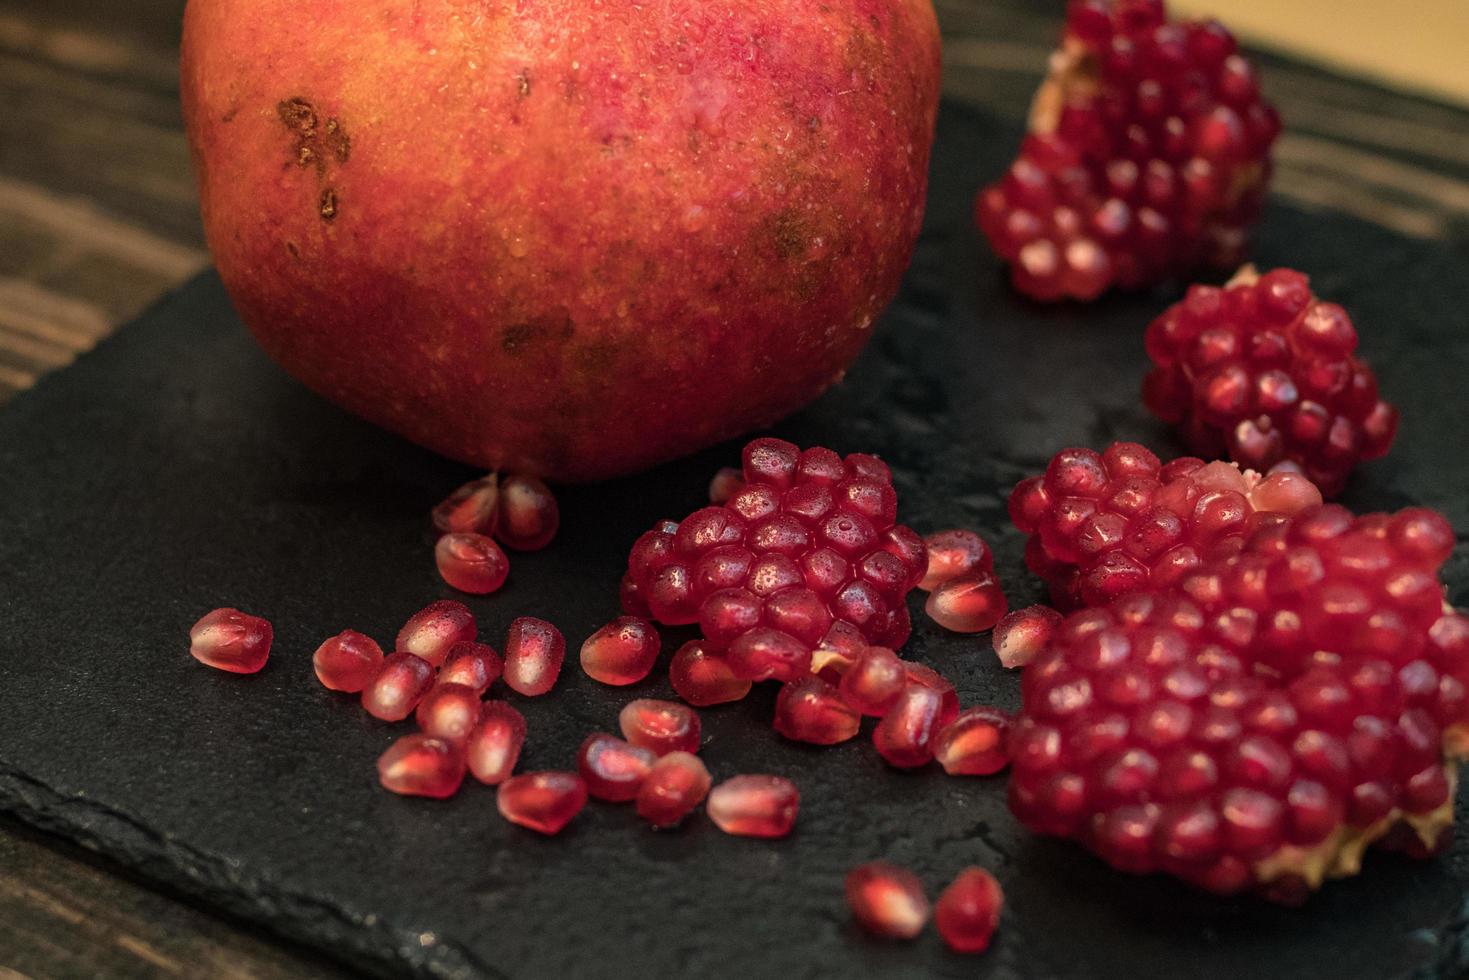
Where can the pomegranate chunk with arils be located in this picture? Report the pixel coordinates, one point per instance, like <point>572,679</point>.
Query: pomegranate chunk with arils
<point>347,662</point>
<point>886,900</point>
<point>542,801</point>
<point>754,806</point>
<point>534,651</point>
<point>422,765</point>
<point>434,629</point>
<point>230,640</point>
<point>494,743</point>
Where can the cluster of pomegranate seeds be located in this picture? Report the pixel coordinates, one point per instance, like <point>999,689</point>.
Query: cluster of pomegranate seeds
<point>622,652</point>
<point>613,770</point>
<point>968,911</point>
<point>887,900</point>
<point>660,726</point>
<point>1264,372</point>
<point>519,512</point>
<point>754,806</point>
<point>422,765</point>
<point>1263,721</point>
<point>1105,524</point>
<point>230,640</point>
<point>1148,154</point>
<point>347,662</point>
<point>534,652</point>
<point>673,788</point>
<point>1021,635</point>
<point>542,801</point>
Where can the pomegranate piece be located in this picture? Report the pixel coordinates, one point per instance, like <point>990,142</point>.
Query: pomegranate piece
<point>421,765</point>
<point>528,517</point>
<point>811,710</point>
<point>613,770</point>
<point>726,483</point>
<point>660,726</point>
<point>975,743</point>
<point>702,678</point>
<point>448,711</point>
<point>874,681</point>
<point>475,665</point>
<point>470,509</point>
<point>534,651</point>
<point>1021,635</point>
<point>905,735</point>
<point>471,563</point>
<point>754,806</point>
<point>886,900</point>
<point>1265,373</point>
<point>400,684</point>
<point>932,679</point>
<point>622,652</point>
<point>494,743</point>
<point>230,640</point>
<point>677,783</point>
<point>763,654</point>
<point>968,911</point>
<point>434,629</point>
<point>970,603</point>
<point>542,801</point>
<point>347,661</point>
<point>954,554</point>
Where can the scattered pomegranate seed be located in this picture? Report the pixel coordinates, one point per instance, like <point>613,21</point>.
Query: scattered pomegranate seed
<point>971,603</point>
<point>969,910</point>
<point>471,563</point>
<point>702,678</point>
<point>470,509</point>
<point>954,554</point>
<point>434,629</point>
<point>842,646</point>
<point>974,744</point>
<point>811,710</point>
<point>726,483</point>
<point>660,726</point>
<point>932,679</point>
<point>494,743</point>
<point>1021,635</point>
<point>905,735</point>
<point>677,783</point>
<point>528,517</point>
<point>622,652</point>
<point>754,806</point>
<point>475,665</point>
<point>764,654</point>
<point>347,661</point>
<point>534,651</point>
<point>399,685</point>
<point>230,640</point>
<point>448,711</point>
<point>886,900</point>
<point>874,681</point>
<point>543,801</point>
<point>613,769</point>
<point>421,765</point>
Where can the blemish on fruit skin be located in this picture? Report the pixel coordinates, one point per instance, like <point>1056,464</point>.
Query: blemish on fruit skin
<point>315,145</point>
<point>328,204</point>
<point>522,82</point>
<point>552,330</point>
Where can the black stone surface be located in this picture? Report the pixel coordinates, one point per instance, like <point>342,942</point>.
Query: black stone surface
<point>176,469</point>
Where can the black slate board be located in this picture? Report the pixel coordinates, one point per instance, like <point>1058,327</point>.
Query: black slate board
<point>176,469</point>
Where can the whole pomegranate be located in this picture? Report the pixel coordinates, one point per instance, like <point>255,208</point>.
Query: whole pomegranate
<point>565,237</point>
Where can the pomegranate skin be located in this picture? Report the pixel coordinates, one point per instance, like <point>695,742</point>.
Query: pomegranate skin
<point>499,235</point>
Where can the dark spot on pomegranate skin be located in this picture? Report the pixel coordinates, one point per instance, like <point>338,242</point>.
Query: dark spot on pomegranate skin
<point>315,146</point>
<point>328,204</point>
<point>298,115</point>
<point>338,141</point>
<point>788,233</point>
<point>522,82</point>
<point>294,249</point>
<point>523,337</point>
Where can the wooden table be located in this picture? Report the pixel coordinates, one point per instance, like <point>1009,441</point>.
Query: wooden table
<point>98,219</point>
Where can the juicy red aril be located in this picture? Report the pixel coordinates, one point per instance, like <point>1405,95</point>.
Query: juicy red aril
<point>494,743</point>
<point>421,765</point>
<point>725,484</point>
<point>660,726</point>
<point>905,735</point>
<point>1021,635</point>
<point>764,654</point>
<point>933,680</point>
<point>475,665</point>
<point>811,710</point>
<point>400,684</point>
<point>971,603</point>
<point>702,678</point>
<point>952,554</point>
<point>448,711</point>
<point>230,640</point>
<point>968,911</point>
<point>434,629</point>
<point>975,743</point>
<point>542,801</point>
<point>874,681</point>
<point>677,783</point>
<point>347,661</point>
<point>613,769</point>
<point>528,517</point>
<point>471,508</point>
<point>754,806</point>
<point>622,652</point>
<point>887,900</point>
<point>534,651</point>
<point>471,563</point>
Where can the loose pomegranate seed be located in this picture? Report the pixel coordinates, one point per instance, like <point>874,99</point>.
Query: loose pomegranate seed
<point>887,900</point>
<point>421,765</point>
<point>971,603</point>
<point>754,806</point>
<point>954,554</point>
<point>974,744</point>
<point>677,783</point>
<point>534,651</point>
<point>448,711</point>
<point>622,652</point>
<point>969,910</point>
<point>702,678</point>
<point>613,769</point>
<point>494,743</point>
<point>842,646</point>
<point>932,679</point>
<point>811,710</point>
<point>726,483</point>
<point>475,665</point>
<point>660,726</point>
<point>347,661</point>
<point>763,654</point>
<point>399,685</point>
<point>1021,635</point>
<point>471,563</point>
<point>231,640</point>
<point>471,508</point>
<point>543,801</point>
<point>528,517</point>
<point>434,629</point>
<point>905,735</point>
<point>874,681</point>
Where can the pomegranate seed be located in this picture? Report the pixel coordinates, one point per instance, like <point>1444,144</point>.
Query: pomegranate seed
<point>887,900</point>
<point>726,483</point>
<point>677,783</point>
<point>701,678</point>
<point>1023,634</point>
<point>660,726</point>
<point>471,563</point>
<point>430,632</point>
<point>905,735</point>
<point>471,508</point>
<point>448,711</point>
<point>969,910</point>
<point>543,801</point>
<point>399,685</point>
<point>970,604</point>
<point>874,681</point>
<point>811,710</point>
<point>231,640</point>
<point>475,665</point>
<point>534,650</point>
<point>613,769</point>
<point>622,652</point>
<point>494,743</point>
<point>754,806</point>
<point>347,661</point>
<point>529,517</point>
<point>974,744</point>
<point>930,678</point>
<point>954,554</point>
<point>762,654</point>
<point>421,765</point>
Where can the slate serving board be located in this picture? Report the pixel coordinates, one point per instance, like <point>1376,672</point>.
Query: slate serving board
<point>176,469</point>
